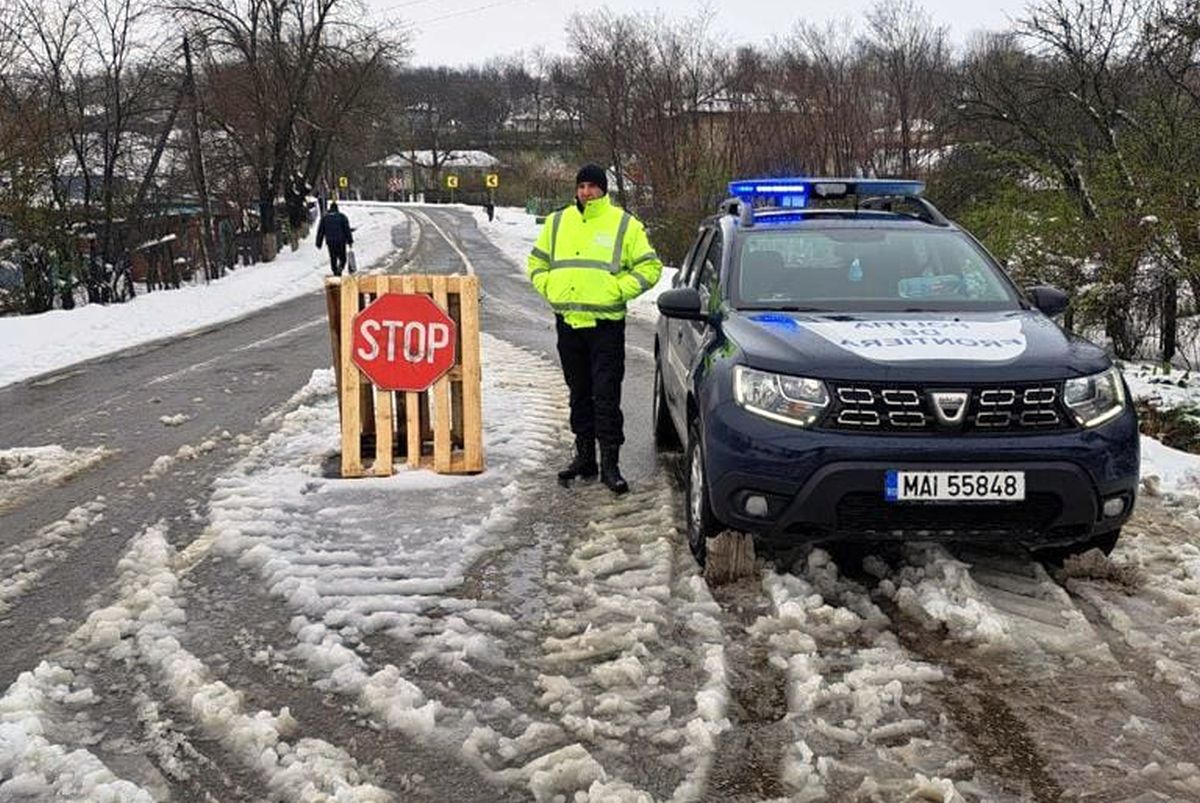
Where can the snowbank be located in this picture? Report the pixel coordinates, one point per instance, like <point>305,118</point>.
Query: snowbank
<point>37,344</point>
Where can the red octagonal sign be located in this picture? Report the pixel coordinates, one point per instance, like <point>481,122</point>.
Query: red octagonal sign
<point>403,342</point>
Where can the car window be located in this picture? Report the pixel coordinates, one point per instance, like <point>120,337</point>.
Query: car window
<point>694,256</point>
<point>867,268</point>
<point>710,267</point>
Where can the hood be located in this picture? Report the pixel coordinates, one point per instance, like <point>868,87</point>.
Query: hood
<point>913,347</point>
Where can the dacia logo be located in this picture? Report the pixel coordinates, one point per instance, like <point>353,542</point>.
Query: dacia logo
<point>950,407</point>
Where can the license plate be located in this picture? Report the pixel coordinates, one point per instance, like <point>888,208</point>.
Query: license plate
<point>954,486</point>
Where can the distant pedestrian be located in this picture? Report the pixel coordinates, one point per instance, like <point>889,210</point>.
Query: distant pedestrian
<point>592,259</point>
<point>491,211</point>
<point>334,230</point>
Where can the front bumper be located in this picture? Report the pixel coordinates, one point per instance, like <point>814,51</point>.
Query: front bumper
<point>828,486</point>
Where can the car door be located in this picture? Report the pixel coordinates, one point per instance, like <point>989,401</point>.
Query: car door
<point>674,371</point>
<point>688,336</point>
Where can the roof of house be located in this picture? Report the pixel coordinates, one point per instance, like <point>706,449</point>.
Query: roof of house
<point>443,159</point>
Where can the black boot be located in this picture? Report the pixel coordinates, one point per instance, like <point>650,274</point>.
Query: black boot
<point>610,471</point>
<point>583,465</point>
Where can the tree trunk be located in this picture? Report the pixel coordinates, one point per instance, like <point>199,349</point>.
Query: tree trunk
<point>211,269</point>
<point>1169,326</point>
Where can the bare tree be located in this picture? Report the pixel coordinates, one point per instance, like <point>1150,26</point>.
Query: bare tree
<point>601,83</point>
<point>260,60</point>
<point>912,58</point>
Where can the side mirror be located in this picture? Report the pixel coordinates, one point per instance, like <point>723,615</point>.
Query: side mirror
<point>1049,300</point>
<point>683,303</point>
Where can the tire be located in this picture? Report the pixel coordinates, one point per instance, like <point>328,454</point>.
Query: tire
<point>702,523</point>
<point>666,439</point>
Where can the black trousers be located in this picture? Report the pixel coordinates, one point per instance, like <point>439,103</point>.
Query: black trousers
<point>593,363</point>
<point>337,258</point>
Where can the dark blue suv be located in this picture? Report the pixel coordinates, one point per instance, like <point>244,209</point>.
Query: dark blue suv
<point>868,372</point>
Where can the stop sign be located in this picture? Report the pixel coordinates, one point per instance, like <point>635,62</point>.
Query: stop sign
<point>403,342</point>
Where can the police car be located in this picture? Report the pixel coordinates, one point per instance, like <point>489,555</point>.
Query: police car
<point>842,363</point>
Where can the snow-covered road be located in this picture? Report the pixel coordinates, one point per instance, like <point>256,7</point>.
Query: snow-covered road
<point>252,628</point>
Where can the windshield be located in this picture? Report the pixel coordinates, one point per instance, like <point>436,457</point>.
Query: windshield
<point>846,269</point>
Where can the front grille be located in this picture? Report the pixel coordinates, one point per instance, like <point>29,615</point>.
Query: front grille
<point>873,407</point>
<point>871,514</point>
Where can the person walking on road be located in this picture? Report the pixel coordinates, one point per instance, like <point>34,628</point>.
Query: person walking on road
<point>590,260</point>
<point>334,230</point>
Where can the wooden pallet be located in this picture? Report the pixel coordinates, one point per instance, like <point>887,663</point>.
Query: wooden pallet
<point>440,428</point>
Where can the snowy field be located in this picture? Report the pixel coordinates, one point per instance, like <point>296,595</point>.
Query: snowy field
<point>37,344</point>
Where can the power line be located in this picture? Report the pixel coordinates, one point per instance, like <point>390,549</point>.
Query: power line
<point>465,11</point>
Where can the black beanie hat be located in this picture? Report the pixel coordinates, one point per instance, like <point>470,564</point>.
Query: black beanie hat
<point>593,173</point>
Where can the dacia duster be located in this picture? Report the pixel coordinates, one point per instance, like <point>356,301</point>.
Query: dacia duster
<point>868,372</point>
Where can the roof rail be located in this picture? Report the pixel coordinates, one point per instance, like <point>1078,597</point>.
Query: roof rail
<point>926,211</point>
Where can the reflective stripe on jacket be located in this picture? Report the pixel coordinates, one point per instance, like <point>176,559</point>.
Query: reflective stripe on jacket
<point>589,265</point>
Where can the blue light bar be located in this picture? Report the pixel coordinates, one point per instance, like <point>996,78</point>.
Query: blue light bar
<point>796,192</point>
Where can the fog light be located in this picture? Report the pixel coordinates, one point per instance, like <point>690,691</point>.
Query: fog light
<point>1114,507</point>
<point>756,506</point>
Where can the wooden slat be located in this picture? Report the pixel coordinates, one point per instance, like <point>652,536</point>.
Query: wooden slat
<point>441,396</point>
<point>383,433</point>
<point>412,401</point>
<point>372,284</point>
<point>472,375</point>
<point>350,395</point>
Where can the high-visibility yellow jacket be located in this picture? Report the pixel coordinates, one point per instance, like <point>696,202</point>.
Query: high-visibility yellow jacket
<point>589,265</point>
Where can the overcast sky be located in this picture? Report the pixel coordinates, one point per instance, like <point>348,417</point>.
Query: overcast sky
<point>460,32</point>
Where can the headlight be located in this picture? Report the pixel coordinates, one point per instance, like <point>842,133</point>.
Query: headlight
<point>1095,399</point>
<point>790,399</point>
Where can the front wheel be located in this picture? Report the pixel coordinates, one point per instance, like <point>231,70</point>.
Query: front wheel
<point>702,523</point>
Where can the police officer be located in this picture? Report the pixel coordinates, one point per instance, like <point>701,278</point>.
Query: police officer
<point>334,229</point>
<point>591,259</point>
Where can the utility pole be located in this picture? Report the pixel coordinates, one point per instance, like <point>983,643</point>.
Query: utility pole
<point>211,271</point>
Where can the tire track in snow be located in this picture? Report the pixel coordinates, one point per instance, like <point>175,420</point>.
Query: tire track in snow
<point>865,723</point>
<point>377,619</point>
<point>26,562</point>
<point>141,628</point>
<point>631,671</point>
<point>1051,689</point>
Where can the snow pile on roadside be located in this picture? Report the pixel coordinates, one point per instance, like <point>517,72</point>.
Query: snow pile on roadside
<point>1166,391</point>
<point>24,471</point>
<point>357,558</point>
<point>1167,470</point>
<point>37,344</point>
<point>31,767</point>
<point>1164,469</point>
